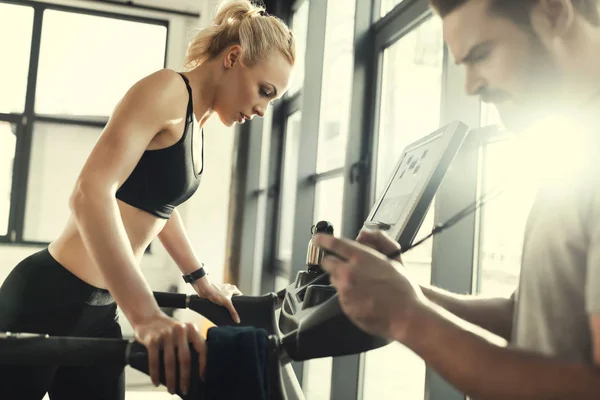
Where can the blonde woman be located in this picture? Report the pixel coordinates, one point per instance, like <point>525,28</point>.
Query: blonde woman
<point>148,161</point>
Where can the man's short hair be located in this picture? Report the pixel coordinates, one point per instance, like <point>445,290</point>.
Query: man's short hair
<point>519,11</point>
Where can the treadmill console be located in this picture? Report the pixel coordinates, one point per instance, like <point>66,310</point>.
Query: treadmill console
<point>402,206</point>
<point>311,321</point>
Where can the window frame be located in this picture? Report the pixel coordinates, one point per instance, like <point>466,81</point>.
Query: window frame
<point>26,119</point>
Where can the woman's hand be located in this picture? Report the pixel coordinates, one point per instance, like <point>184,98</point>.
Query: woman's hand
<point>173,337</point>
<point>219,294</point>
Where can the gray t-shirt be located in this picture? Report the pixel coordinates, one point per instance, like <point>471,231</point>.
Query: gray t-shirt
<point>560,274</point>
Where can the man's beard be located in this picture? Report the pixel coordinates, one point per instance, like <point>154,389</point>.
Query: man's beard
<point>541,82</point>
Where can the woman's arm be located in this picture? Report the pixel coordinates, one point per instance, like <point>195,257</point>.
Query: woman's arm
<point>139,116</point>
<point>143,112</point>
<point>175,240</point>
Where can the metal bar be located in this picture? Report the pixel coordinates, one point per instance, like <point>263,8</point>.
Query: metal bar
<point>347,375</point>
<point>24,139</point>
<point>276,151</point>
<point>249,220</point>
<point>294,103</point>
<point>81,121</point>
<point>400,22</point>
<point>307,149</point>
<point>314,178</point>
<point>130,4</point>
<point>88,11</point>
<point>14,118</point>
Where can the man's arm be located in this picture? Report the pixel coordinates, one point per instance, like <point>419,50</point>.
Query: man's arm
<point>484,369</point>
<point>492,314</point>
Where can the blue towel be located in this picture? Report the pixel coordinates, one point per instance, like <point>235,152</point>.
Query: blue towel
<point>237,364</point>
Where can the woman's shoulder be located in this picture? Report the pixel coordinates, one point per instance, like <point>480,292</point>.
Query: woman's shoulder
<point>164,87</point>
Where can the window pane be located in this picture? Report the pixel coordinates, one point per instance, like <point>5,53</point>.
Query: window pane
<point>52,175</point>
<point>261,206</point>
<point>388,5</point>
<point>8,143</point>
<point>288,187</point>
<point>265,148</point>
<point>336,92</point>
<point>502,224</point>
<point>410,109</point>
<point>329,195</point>
<point>300,29</point>
<point>328,201</point>
<point>87,63</point>
<point>16,24</point>
<point>411,94</point>
<point>317,378</point>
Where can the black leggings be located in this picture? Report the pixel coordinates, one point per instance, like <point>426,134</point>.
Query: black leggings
<point>41,296</point>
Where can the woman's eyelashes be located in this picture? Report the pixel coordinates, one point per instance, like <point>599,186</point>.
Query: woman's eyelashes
<point>265,93</point>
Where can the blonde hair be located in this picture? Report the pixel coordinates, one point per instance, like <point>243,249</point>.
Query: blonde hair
<point>243,23</point>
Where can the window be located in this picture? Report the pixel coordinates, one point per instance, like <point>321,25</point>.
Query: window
<point>336,92</point>
<point>16,24</point>
<point>409,109</point>
<point>8,142</point>
<point>317,378</point>
<point>52,175</point>
<point>411,94</point>
<point>387,6</point>
<point>502,225</point>
<point>300,30</point>
<point>288,193</point>
<point>263,182</point>
<point>87,62</point>
<point>503,219</point>
<point>329,197</point>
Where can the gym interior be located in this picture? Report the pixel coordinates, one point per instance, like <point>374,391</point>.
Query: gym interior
<point>372,77</point>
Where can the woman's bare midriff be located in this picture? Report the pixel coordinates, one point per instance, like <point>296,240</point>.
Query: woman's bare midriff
<point>69,250</point>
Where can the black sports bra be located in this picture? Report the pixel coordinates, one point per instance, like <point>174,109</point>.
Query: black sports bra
<point>165,178</point>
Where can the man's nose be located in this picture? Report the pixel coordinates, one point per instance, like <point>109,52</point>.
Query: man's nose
<point>473,83</point>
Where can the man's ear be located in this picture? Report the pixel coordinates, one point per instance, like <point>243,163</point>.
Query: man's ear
<point>232,56</point>
<point>553,18</point>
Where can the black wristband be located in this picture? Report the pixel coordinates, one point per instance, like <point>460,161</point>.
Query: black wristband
<point>194,276</point>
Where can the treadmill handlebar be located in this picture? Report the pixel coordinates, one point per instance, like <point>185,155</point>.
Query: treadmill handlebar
<point>256,311</point>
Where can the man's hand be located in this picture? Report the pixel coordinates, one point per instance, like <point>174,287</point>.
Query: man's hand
<point>380,241</point>
<point>219,294</point>
<point>372,292</point>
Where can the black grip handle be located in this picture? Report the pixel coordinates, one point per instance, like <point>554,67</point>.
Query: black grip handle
<point>256,311</point>
<point>39,349</point>
<point>171,300</point>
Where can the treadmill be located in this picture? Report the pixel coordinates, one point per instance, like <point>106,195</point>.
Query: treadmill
<point>310,323</point>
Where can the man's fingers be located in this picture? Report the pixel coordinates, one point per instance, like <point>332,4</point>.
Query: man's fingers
<point>333,265</point>
<point>339,247</point>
